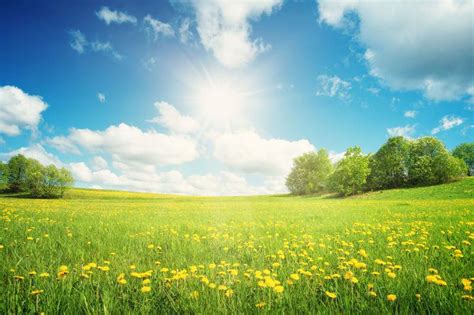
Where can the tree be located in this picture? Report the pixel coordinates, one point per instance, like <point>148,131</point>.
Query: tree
<point>351,173</point>
<point>465,152</point>
<point>389,166</point>
<point>48,181</point>
<point>17,166</point>
<point>430,163</point>
<point>3,175</point>
<point>309,173</point>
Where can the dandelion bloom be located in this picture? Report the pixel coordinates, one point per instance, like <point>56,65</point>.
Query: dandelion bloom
<point>260,304</point>
<point>194,294</point>
<point>332,295</point>
<point>145,289</point>
<point>391,297</point>
<point>36,292</point>
<point>278,289</point>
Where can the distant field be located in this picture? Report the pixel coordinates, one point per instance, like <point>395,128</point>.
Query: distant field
<point>400,251</point>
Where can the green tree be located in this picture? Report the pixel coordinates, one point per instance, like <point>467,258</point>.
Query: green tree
<point>465,152</point>
<point>3,175</point>
<point>351,173</point>
<point>48,181</point>
<point>431,163</point>
<point>389,166</point>
<point>17,180</point>
<point>309,173</point>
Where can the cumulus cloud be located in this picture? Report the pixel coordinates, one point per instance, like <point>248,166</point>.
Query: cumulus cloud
<point>99,163</point>
<point>114,16</point>
<point>405,131</point>
<point>37,152</point>
<point>19,110</point>
<point>224,28</point>
<point>415,45</point>
<point>446,123</point>
<point>156,28</point>
<point>131,145</point>
<point>62,144</point>
<point>333,87</point>
<point>81,45</point>
<point>173,120</point>
<point>410,114</point>
<point>248,152</point>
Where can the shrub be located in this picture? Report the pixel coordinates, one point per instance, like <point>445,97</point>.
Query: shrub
<point>465,152</point>
<point>351,173</point>
<point>309,173</point>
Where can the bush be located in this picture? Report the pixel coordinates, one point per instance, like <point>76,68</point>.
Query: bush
<point>431,163</point>
<point>28,175</point>
<point>351,173</point>
<point>465,152</point>
<point>3,175</point>
<point>17,180</point>
<point>309,173</point>
<point>389,166</point>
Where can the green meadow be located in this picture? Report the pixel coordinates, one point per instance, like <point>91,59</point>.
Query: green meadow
<point>109,252</point>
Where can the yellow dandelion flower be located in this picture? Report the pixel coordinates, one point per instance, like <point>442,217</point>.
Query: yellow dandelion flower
<point>391,297</point>
<point>372,294</point>
<point>332,295</point>
<point>122,281</point>
<point>194,294</point>
<point>44,275</point>
<point>278,289</point>
<point>36,292</point>
<point>146,281</point>
<point>229,293</point>
<point>392,275</point>
<point>294,277</point>
<point>145,289</point>
<point>418,296</point>
<point>32,273</point>
<point>260,304</point>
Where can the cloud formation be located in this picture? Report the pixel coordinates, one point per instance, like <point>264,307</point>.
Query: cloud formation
<point>446,123</point>
<point>414,45</point>
<point>114,16</point>
<point>81,45</point>
<point>247,152</point>
<point>173,120</point>
<point>19,110</point>
<point>405,131</point>
<point>156,28</point>
<point>333,87</point>
<point>224,28</point>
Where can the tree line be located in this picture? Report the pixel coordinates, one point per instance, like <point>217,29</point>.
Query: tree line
<point>25,175</point>
<point>400,162</point>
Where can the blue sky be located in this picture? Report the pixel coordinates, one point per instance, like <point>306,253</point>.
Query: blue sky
<point>217,97</point>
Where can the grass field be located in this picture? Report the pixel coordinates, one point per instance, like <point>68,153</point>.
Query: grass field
<point>400,251</point>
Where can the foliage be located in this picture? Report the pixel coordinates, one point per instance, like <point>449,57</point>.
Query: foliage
<point>351,173</point>
<point>465,151</point>
<point>309,173</point>
<point>430,163</point>
<point>222,255</point>
<point>17,167</point>
<point>3,175</point>
<point>28,175</point>
<point>389,166</point>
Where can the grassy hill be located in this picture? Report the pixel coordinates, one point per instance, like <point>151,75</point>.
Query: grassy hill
<point>238,254</point>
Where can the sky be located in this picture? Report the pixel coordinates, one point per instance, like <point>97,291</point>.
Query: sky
<point>218,97</point>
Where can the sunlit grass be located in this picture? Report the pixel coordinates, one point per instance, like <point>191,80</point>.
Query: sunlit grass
<point>101,252</point>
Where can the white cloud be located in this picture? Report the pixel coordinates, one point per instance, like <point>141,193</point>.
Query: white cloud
<point>62,144</point>
<point>35,151</point>
<point>410,113</point>
<point>80,44</point>
<point>224,28</point>
<point>171,119</point>
<point>78,41</point>
<point>333,87</point>
<point>157,28</point>
<point>248,152</point>
<point>99,163</point>
<point>336,156</point>
<point>405,131</point>
<point>101,97</point>
<point>416,45</point>
<point>19,110</point>
<point>114,16</point>
<point>149,63</point>
<point>185,35</point>
<point>131,145</point>
<point>446,123</point>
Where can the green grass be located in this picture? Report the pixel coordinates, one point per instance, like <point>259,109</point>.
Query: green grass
<point>409,230</point>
